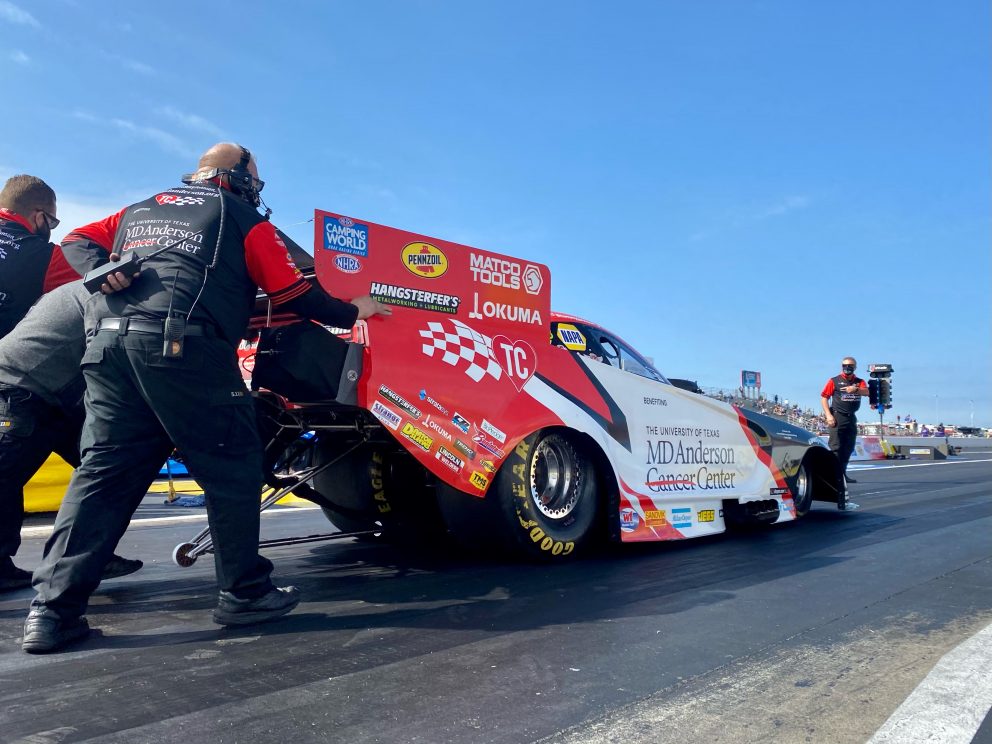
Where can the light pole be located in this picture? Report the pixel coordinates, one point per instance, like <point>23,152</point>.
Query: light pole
<point>972,404</point>
<point>936,409</point>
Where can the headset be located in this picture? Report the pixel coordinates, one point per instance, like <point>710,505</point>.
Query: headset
<point>240,179</point>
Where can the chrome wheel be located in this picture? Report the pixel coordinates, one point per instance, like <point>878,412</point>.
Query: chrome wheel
<point>555,477</point>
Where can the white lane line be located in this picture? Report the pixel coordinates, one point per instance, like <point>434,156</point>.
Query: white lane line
<point>864,468</point>
<point>951,703</point>
<point>46,530</point>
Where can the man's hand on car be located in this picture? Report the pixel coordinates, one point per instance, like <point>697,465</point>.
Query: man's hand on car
<point>369,306</point>
<point>117,281</point>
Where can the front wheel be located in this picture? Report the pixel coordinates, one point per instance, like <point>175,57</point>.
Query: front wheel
<point>803,491</point>
<point>546,492</point>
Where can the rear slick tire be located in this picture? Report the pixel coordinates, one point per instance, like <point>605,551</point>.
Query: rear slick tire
<point>546,495</point>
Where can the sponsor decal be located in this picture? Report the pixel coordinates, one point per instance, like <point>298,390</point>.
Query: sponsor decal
<point>533,281</point>
<point>464,449</point>
<point>435,426</point>
<point>571,337</point>
<point>497,271</point>
<point>488,466</point>
<point>160,233</point>
<point>449,459</point>
<point>488,445</point>
<point>386,415</point>
<point>179,201</point>
<point>492,431</point>
<point>348,264</point>
<point>418,436</point>
<point>706,515</point>
<point>6,423</point>
<point>402,402</point>
<point>461,422</point>
<point>712,459</point>
<point>425,397</point>
<point>655,518</point>
<point>494,271</point>
<point>424,259</point>
<point>778,491</point>
<point>418,299</point>
<point>681,517</point>
<point>346,236</point>
<point>503,311</point>
<point>516,358</point>
<point>649,401</point>
<point>629,519</point>
<point>478,480</point>
<point>464,346</point>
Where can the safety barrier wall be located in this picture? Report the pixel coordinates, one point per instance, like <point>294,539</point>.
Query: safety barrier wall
<point>869,447</point>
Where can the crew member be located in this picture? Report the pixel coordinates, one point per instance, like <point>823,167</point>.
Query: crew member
<point>29,264</point>
<point>162,369</point>
<point>41,411</point>
<point>844,391</point>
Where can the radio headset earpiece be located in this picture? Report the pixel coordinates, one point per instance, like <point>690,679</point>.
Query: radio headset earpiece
<point>242,181</point>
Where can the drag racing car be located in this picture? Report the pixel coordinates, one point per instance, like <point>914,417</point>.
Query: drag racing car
<point>477,412</point>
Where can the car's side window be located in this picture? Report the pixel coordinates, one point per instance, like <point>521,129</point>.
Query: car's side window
<point>595,343</point>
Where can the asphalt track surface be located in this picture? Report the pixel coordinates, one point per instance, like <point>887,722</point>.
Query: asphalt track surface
<point>816,631</point>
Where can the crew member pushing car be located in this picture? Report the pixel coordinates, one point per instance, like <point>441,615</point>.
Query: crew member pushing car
<point>162,370</point>
<point>844,391</point>
<point>41,411</point>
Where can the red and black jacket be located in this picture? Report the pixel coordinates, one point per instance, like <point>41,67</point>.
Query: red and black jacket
<point>221,251</point>
<point>29,267</point>
<point>843,405</point>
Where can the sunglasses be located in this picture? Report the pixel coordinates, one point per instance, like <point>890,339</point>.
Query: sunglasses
<point>51,221</point>
<point>847,367</point>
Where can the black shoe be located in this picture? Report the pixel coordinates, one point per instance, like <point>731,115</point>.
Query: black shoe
<point>849,479</point>
<point>117,567</point>
<point>12,577</point>
<point>44,633</point>
<point>233,611</point>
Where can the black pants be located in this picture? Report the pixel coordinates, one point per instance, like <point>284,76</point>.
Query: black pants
<point>137,405</point>
<point>842,439</point>
<point>30,431</point>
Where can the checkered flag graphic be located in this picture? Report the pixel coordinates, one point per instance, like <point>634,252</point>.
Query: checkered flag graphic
<point>182,201</point>
<point>464,344</point>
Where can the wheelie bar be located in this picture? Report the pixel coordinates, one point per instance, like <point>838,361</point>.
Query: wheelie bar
<point>185,554</point>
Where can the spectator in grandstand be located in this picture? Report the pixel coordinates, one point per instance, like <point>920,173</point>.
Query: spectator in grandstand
<point>841,398</point>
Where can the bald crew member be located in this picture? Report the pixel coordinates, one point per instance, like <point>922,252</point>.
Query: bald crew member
<point>162,369</point>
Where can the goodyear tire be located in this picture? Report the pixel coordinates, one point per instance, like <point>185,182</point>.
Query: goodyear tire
<point>803,490</point>
<point>547,497</point>
<point>378,489</point>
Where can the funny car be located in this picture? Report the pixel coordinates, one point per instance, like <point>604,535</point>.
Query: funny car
<point>475,410</point>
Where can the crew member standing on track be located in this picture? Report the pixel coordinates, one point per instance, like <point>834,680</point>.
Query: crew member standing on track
<point>162,369</point>
<point>844,392</point>
<point>41,411</point>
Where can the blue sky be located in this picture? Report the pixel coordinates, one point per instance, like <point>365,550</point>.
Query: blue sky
<point>728,185</point>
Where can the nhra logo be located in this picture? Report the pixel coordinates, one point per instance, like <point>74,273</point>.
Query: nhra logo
<point>178,201</point>
<point>348,264</point>
<point>344,235</point>
<point>424,259</point>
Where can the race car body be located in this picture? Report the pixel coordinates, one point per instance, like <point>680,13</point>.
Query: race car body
<point>540,431</point>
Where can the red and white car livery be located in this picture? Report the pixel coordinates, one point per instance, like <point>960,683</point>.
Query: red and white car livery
<point>539,431</point>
